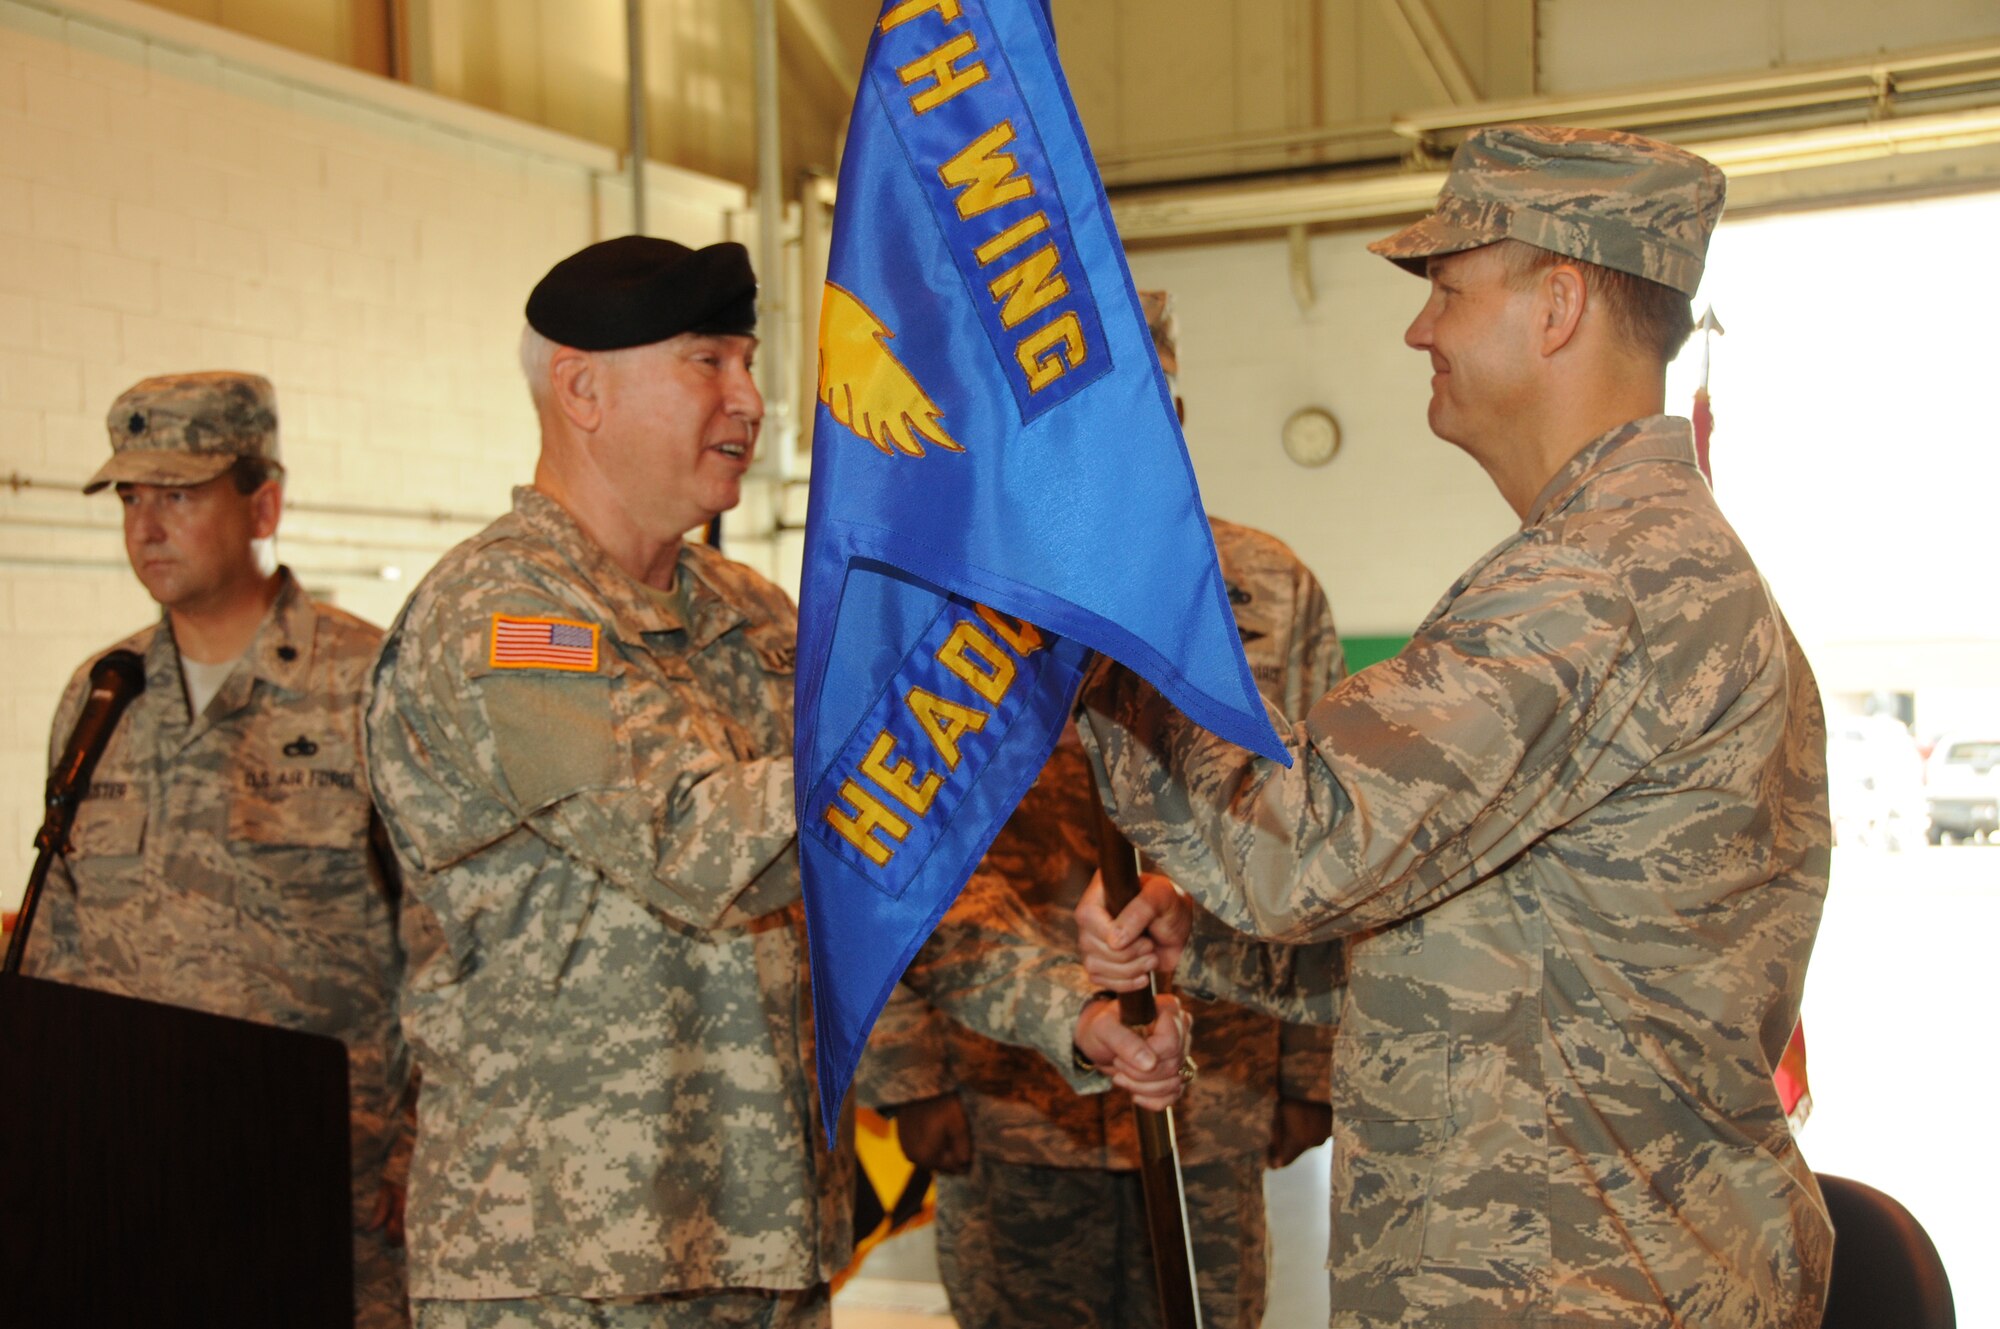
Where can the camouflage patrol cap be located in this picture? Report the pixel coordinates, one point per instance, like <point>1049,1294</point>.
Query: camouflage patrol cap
<point>1617,200</point>
<point>186,429</point>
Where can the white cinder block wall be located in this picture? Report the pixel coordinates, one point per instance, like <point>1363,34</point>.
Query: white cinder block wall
<point>175,197</point>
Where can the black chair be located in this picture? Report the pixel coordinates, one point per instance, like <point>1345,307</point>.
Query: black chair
<point>1886,1272</point>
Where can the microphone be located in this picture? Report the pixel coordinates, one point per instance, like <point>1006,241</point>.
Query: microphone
<point>114,681</point>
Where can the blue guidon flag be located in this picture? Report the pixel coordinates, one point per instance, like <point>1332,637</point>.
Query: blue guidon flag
<point>999,488</point>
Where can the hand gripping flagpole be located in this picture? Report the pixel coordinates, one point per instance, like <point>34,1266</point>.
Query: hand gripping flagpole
<point>1159,1152</point>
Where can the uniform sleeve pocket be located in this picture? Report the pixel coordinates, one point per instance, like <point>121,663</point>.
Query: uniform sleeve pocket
<point>553,734</point>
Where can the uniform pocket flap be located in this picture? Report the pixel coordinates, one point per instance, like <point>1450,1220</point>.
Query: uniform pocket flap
<point>1392,1077</point>
<point>776,651</point>
<point>329,815</point>
<point>108,827</point>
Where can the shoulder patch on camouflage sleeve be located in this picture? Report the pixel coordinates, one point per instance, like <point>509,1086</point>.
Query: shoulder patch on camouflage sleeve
<point>542,643</point>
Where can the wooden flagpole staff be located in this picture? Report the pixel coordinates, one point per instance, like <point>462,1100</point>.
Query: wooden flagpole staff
<point>1159,1155</point>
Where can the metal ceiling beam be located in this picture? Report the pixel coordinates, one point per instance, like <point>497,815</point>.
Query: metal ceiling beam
<point>810,19</point>
<point>1883,80</point>
<point>1923,81</point>
<point>1383,196</point>
<point>1417,24</point>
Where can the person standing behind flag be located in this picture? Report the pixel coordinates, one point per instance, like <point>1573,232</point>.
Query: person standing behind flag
<point>1576,831</point>
<point>1018,1152</point>
<point>580,736</point>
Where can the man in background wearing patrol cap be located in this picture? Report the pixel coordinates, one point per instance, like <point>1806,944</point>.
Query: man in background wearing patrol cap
<point>581,737</point>
<point>1576,832</point>
<point>1020,1155</point>
<point>222,859</point>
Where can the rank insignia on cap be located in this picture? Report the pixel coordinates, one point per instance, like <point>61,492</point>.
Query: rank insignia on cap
<point>542,643</point>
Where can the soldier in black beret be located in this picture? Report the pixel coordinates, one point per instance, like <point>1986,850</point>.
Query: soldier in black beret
<point>554,709</point>
<point>581,737</point>
<point>638,353</point>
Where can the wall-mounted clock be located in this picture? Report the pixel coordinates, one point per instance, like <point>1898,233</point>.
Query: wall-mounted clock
<point>1311,436</point>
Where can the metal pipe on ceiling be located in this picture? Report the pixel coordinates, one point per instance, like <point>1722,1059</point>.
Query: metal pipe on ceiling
<point>15,482</point>
<point>635,109</point>
<point>307,572</point>
<point>114,532</point>
<point>773,308</point>
<point>1884,88</point>
<point>1932,71</point>
<point>1275,205</point>
<point>815,200</point>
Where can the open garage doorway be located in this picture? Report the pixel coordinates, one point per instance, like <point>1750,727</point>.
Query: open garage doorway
<point>1856,447</point>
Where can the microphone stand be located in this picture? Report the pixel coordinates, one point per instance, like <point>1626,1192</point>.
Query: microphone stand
<point>46,844</point>
<point>120,675</point>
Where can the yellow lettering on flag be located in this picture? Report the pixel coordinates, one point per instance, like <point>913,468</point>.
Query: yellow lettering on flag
<point>944,722</point>
<point>985,173</point>
<point>870,815</point>
<point>957,655</point>
<point>1029,286</point>
<point>1050,352</point>
<point>941,65</point>
<point>1020,634</point>
<point>899,780</point>
<point>1033,224</point>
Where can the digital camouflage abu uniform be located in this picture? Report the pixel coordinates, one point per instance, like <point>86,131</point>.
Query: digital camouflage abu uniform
<point>1047,1160</point>
<point>593,792</point>
<point>1577,835</point>
<point>221,863</point>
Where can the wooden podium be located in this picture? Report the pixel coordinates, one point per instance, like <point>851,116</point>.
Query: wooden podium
<point>161,1166</point>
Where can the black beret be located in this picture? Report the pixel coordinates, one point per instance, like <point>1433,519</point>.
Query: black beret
<point>637,290</point>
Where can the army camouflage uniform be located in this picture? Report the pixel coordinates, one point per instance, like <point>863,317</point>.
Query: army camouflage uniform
<point>1047,1160</point>
<point>1576,834</point>
<point>222,864</point>
<point>616,1038</point>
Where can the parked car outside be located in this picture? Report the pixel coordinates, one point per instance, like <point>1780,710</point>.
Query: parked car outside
<point>1962,786</point>
<point>1875,782</point>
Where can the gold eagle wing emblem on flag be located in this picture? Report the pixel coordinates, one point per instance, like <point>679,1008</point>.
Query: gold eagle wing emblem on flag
<point>866,386</point>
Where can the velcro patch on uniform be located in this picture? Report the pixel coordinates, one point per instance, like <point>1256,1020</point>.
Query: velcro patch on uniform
<point>542,643</point>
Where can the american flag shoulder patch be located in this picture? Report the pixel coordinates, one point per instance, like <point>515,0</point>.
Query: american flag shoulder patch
<point>542,643</point>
